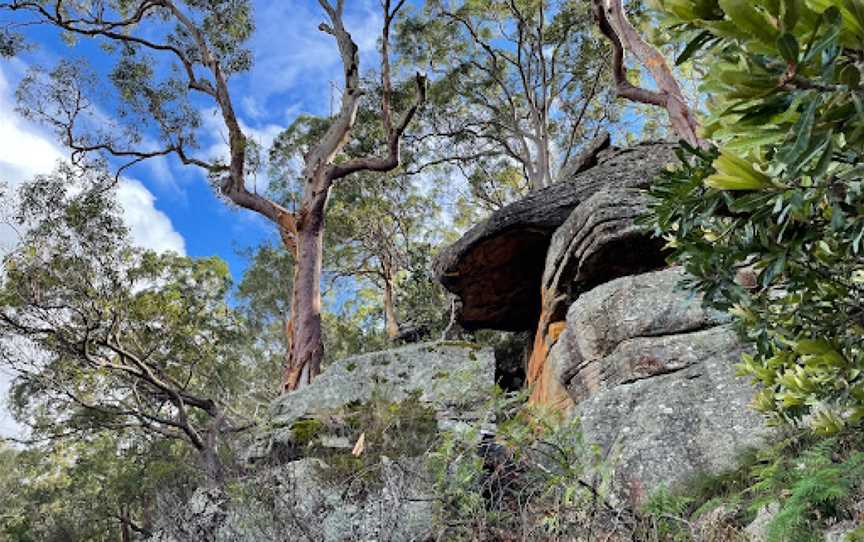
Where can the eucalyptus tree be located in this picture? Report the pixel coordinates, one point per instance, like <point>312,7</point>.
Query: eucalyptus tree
<point>104,488</point>
<point>376,225</point>
<point>613,22</point>
<point>516,83</point>
<point>104,337</point>
<point>172,56</point>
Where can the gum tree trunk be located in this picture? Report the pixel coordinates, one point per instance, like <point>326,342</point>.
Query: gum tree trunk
<point>390,319</point>
<point>306,345</point>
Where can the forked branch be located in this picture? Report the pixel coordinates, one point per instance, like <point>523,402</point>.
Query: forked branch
<point>613,23</point>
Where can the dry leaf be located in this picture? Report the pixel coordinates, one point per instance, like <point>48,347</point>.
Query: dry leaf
<point>360,446</point>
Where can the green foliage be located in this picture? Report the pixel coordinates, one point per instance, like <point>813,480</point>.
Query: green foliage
<point>304,432</point>
<point>11,43</point>
<point>390,429</point>
<point>511,82</point>
<point>537,477</point>
<point>108,341</point>
<point>811,482</point>
<point>664,510</point>
<point>85,490</point>
<point>771,225</point>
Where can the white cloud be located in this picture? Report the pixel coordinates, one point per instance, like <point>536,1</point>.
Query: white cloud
<point>25,151</point>
<point>149,227</point>
<point>291,52</point>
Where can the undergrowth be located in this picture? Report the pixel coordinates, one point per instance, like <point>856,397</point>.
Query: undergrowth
<point>807,482</point>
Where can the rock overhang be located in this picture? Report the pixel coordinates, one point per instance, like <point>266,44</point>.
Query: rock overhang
<point>497,267</point>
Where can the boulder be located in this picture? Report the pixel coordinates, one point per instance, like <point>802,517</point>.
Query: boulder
<point>297,501</point>
<point>757,530</point>
<point>632,325</point>
<point>452,378</point>
<point>497,266</point>
<point>600,241</point>
<point>651,374</point>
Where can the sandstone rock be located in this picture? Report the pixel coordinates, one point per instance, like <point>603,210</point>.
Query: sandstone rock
<point>757,531</point>
<point>454,378</point>
<point>600,241</point>
<point>589,156</point>
<point>647,305</point>
<point>296,501</point>
<point>840,532</point>
<point>651,374</point>
<point>496,267</point>
<point>449,375</point>
<point>664,430</point>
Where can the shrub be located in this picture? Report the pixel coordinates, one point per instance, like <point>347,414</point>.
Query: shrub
<point>771,224</point>
<point>536,478</point>
<point>811,482</point>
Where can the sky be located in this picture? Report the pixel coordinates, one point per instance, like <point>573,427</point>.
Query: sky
<point>167,206</point>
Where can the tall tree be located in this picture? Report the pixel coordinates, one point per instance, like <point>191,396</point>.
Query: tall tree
<point>376,226</point>
<point>202,42</point>
<point>104,337</point>
<point>517,83</point>
<point>105,487</point>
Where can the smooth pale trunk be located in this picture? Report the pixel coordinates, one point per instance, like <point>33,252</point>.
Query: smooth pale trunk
<point>391,322</point>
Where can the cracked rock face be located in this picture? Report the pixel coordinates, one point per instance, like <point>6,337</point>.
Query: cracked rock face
<point>308,507</point>
<point>496,268</point>
<point>601,241</point>
<point>453,378</point>
<point>651,373</point>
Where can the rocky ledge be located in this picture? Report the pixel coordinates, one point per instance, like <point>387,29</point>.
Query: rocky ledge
<point>496,267</point>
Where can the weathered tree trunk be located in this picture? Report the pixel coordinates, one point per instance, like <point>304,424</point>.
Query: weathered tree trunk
<point>390,319</point>
<point>125,530</point>
<point>212,465</point>
<point>306,344</point>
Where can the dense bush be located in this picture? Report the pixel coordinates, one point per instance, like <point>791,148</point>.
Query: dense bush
<point>771,222</point>
<point>534,479</point>
<point>801,485</point>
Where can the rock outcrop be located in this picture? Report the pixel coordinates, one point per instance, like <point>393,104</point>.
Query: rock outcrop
<point>452,378</point>
<point>600,241</point>
<point>651,375</point>
<point>496,267</point>
<point>310,479</point>
<point>617,341</point>
<point>296,501</point>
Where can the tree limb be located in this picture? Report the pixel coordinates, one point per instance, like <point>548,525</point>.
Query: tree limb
<point>613,23</point>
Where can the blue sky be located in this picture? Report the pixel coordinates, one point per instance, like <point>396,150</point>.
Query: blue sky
<point>172,207</point>
<point>293,65</point>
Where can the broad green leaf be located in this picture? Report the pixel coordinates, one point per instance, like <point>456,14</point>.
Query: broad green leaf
<point>750,19</point>
<point>734,173</point>
<point>693,47</point>
<point>788,47</point>
<point>790,12</point>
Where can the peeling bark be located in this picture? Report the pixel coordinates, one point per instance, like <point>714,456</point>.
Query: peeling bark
<point>613,23</point>
<point>390,319</point>
<point>306,344</point>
